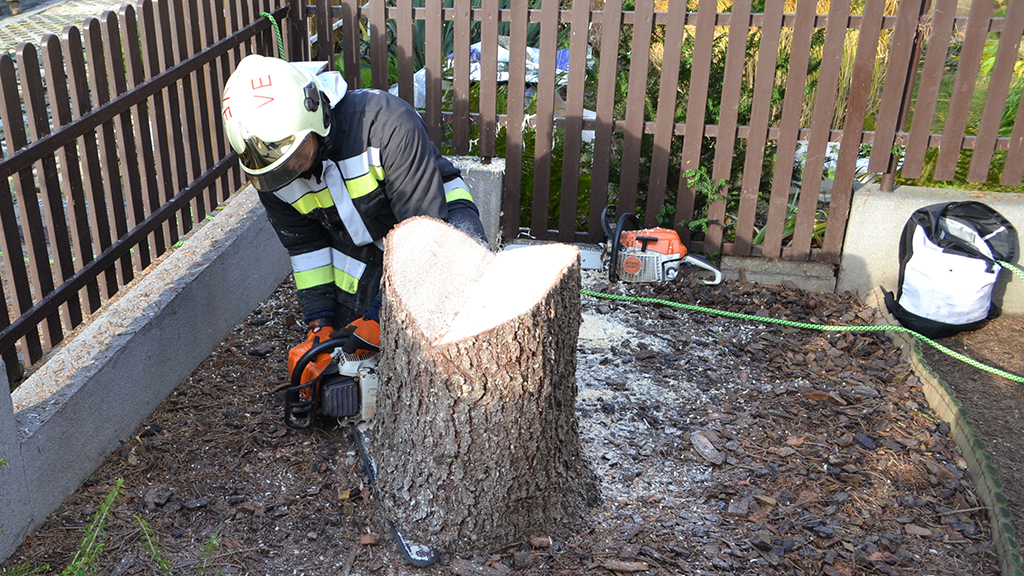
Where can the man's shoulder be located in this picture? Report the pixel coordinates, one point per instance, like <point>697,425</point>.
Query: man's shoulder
<point>372,101</point>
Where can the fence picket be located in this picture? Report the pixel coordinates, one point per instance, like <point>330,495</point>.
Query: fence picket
<point>110,186</point>
<point>725,141</point>
<point>460,76</point>
<point>856,111</point>
<point>664,128</point>
<point>14,256</point>
<point>27,193</point>
<point>148,194</point>
<point>928,90</point>
<point>70,163</point>
<point>172,111</point>
<point>99,223</point>
<point>217,147</point>
<point>545,124</point>
<point>697,99</point>
<point>611,23</point>
<point>50,197</point>
<point>432,49</point>
<point>796,78</point>
<point>963,89</point>
<point>821,121</point>
<point>488,78</point>
<point>757,135</point>
<point>163,149</point>
<point>1013,170</point>
<point>406,53</point>
<point>377,29</point>
<point>125,141</point>
<point>512,205</point>
<point>190,93</point>
<point>998,89</point>
<point>632,139</point>
<point>896,78</point>
<point>576,78</point>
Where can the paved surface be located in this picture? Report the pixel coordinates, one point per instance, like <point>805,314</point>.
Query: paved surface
<point>41,17</point>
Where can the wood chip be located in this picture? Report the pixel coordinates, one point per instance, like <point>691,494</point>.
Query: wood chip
<point>705,448</point>
<point>917,530</point>
<point>621,566</point>
<point>368,540</point>
<point>540,542</point>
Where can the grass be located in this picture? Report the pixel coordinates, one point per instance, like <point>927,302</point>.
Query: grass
<point>86,560</point>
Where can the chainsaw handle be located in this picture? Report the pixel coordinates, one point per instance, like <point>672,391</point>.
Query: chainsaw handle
<point>311,354</point>
<point>617,242</point>
<point>299,413</point>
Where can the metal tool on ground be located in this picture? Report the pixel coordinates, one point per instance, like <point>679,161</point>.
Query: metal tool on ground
<point>346,390</point>
<point>648,255</point>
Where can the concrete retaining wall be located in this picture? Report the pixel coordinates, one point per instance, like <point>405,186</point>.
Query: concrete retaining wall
<point>871,250</point>
<point>95,390</point>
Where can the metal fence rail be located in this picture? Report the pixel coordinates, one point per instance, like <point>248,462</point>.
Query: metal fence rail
<point>115,154</point>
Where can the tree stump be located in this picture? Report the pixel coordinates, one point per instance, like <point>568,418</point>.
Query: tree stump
<point>475,435</point>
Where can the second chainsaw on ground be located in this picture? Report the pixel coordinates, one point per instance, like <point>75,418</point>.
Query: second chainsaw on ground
<point>649,255</point>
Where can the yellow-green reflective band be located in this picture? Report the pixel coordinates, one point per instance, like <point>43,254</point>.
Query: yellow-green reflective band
<point>361,186</point>
<point>346,282</point>
<point>309,202</point>
<point>377,172</point>
<point>457,194</point>
<point>315,277</point>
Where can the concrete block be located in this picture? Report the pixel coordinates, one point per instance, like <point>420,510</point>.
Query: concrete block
<point>485,184</point>
<point>96,390</point>
<point>813,276</point>
<point>15,518</point>
<point>871,249</point>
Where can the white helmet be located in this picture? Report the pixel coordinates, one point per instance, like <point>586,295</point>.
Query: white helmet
<point>270,108</point>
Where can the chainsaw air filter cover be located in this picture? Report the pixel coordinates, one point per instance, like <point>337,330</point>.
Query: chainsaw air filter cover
<point>341,396</point>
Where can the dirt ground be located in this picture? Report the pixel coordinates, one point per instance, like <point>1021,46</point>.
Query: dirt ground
<point>723,447</point>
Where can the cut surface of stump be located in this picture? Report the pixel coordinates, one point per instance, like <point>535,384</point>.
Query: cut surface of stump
<point>476,436</point>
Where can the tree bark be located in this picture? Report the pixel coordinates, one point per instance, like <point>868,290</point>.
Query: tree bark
<point>476,435</point>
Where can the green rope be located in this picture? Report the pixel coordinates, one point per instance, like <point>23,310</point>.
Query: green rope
<point>1016,271</point>
<point>277,32</point>
<point>805,325</point>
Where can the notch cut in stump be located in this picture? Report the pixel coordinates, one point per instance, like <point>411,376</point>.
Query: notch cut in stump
<point>476,436</point>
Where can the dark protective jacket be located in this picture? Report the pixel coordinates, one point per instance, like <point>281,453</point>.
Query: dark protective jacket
<point>379,167</point>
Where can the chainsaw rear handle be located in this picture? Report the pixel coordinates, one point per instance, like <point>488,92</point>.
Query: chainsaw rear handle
<point>299,413</point>
<point>617,238</point>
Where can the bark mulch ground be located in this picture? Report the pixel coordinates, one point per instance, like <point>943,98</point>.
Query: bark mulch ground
<point>723,446</point>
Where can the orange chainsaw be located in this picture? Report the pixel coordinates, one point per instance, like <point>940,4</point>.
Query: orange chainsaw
<point>648,255</point>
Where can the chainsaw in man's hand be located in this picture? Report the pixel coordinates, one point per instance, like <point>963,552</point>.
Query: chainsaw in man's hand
<point>327,380</point>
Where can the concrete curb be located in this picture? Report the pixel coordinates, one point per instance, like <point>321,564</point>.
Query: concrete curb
<point>944,403</point>
<point>96,389</point>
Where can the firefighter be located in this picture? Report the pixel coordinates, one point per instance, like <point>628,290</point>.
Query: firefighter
<point>336,170</point>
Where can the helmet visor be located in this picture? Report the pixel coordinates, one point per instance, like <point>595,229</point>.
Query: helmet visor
<point>268,164</point>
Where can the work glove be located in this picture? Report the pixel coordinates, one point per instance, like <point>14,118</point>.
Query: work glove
<point>362,336</point>
<point>319,331</point>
